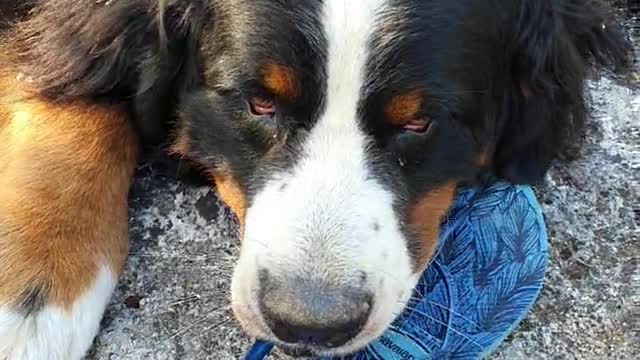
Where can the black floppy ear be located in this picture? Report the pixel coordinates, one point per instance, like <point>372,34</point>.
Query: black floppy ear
<point>555,45</point>
<point>114,50</point>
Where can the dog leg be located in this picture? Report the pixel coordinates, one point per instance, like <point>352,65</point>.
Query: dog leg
<point>65,171</point>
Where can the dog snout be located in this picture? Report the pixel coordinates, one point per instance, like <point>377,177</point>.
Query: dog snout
<point>312,313</point>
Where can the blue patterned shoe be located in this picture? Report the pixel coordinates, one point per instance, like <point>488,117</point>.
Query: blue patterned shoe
<point>486,275</point>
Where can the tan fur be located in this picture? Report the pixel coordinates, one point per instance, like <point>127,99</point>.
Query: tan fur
<point>482,159</point>
<point>425,218</point>
<point>281,81</point>
<point>65,171</point>
<point>224,182</point>
<point>402,109</point>
<point>231,194</point>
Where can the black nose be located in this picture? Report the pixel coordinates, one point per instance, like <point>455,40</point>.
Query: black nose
<point>308,312</point>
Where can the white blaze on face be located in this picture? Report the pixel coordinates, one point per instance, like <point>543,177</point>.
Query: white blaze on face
<point>329,218</point>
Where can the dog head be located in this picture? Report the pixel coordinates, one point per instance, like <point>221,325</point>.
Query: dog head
<point>337,131</point>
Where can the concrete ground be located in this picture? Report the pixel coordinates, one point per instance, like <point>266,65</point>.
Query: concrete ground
<point>173,299</point>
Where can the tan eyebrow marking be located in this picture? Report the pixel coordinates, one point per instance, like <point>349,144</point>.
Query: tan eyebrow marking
<point>403,108</point>
<point>280,80</point>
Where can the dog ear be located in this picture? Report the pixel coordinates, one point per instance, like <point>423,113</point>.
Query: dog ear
<point>114,50</point>
<point>555,45</point>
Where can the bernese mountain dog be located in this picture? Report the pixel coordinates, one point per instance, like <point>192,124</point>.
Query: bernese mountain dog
<point>336,130</point>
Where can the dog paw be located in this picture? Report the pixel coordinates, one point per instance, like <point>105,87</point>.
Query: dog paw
<point>46,331</point>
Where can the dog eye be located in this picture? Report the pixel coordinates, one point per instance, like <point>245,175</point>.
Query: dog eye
<point>262,107</point>
<point>418,126</point>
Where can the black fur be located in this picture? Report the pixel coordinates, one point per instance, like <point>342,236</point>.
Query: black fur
<point>33,299</point>
<point>554,47</point>
<point>112,50</point>
<point>12,11</point>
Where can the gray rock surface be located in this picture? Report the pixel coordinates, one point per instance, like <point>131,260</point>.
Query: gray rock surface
<point>589,306</point>
<point>173,299</point>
